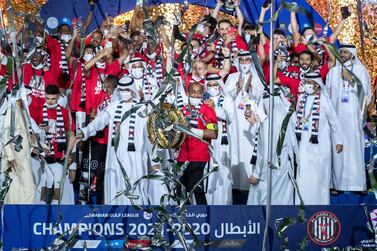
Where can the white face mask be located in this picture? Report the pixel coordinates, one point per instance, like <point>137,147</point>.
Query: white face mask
<point>213,91</point>
<point>247,38</point>
<point>38,67</point>
<point>152,56</point>
<point>195,101</point>
<point>66,37</point>
<point>245,68</point>
<point>105,32</point>
<point>38,40</point>
<point>200,28</point>
<point>137,73</point>
<point>101,65</point>
<point>53,106</point>
<point>197,79</point>
<point>125,95</point>
<point>348,63</point>
<point>309,89</point>
<point>88,57</point>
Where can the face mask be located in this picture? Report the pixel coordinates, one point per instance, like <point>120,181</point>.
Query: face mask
<point>105,32</point>
<point>245,68</point>
<point>101,65</point>
<point>309,89</point>
<point>213,91</point>
<point>38,67</point>
<point>66,38</point>
<point>196,50</point>
<point>348,63</point>
<point>152,56</point>
<point>125,95</point>
<point>247,38</point>
<point>195,101</point>
<point>137,72</point>
<point>28,100</point>
<point>197,79</point>
<point>200,28</point>
<point>53,106</point>
<point>38,40</point>
<point>88,57</point>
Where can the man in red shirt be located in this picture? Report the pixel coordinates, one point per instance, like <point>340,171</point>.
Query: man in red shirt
<point>295,74</point>
<point>54,120</point>
<point>228,38</point>
<point>203,123</point>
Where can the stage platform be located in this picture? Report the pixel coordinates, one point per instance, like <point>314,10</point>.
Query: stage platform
<point>222,227</point>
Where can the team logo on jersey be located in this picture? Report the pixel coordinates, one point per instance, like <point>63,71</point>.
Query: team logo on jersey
<point>323,228</point>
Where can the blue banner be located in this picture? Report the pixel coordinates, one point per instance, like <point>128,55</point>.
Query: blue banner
<point>250,9</point>
<point>222,227</point>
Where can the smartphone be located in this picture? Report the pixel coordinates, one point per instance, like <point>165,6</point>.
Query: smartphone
<point>231,30</point>
<point>248,110</point>
<point>109,44</point>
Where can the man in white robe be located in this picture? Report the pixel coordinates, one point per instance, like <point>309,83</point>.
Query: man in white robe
<point>349,166</point>
<point>16,159</point>
<point>317,126</point>
<point>245,88</point>
<point>282,187</point>
<point>146,84</point>
<point>133,146</point>
<point>219,190</point>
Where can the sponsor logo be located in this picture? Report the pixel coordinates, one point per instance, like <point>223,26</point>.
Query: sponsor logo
<point>323,228</point>
<point>147,216</point>
<point>138,244</point>
<point>232,243</point>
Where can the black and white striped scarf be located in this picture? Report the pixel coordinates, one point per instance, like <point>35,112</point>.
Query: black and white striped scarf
<point>180,103</point>
<point>131,128</point>
<point>322,53</point>
<point>254,155</point>
<point>63,60</point>
<point>194,116</point>
<point>147,86</point>
<point>131,133</point>
<point>83,87</point>
<point>224,131</point>
<point>105,103</point>
<point>159,70</point>
<point>315,113</point>
<point>219,57</point>
<point>60,133</point>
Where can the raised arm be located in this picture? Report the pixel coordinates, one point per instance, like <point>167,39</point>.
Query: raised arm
<point>69,49</point>
<point>239,16</point>
<point>103,53</point>
<point>345,14</point>
<point>216,10</point>
<point>296,33</point>
<point>134,24</point>
<point>263,12</point>
<point>89,18</point>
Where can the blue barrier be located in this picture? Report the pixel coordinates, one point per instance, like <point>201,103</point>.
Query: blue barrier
<point>225,227</point>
